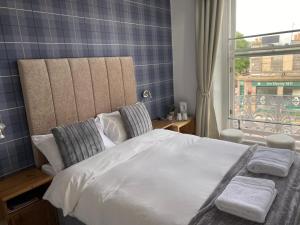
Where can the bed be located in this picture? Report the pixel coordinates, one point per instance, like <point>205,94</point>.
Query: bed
<point>161,177</point>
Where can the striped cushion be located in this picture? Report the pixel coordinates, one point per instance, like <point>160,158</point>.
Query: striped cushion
<point>136,119</point>
<point>78,141</point>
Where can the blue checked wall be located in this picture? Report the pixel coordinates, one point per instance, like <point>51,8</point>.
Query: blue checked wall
<point>80,28</point>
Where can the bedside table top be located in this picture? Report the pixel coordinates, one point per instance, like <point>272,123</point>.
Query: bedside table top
<point>181,123</point>
<point>162,124</point>
<point>21,182</point>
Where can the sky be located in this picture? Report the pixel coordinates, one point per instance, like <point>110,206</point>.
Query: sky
<point>264,16</point>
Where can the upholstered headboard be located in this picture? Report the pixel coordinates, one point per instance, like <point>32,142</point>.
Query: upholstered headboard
<point>63,91</point>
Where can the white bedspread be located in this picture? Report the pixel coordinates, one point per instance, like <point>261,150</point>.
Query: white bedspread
<point>159,178</point>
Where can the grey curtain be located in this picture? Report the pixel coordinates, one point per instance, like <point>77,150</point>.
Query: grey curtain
<point>208,26</point>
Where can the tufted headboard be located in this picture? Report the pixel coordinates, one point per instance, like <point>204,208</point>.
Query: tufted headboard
<point>63,91</point>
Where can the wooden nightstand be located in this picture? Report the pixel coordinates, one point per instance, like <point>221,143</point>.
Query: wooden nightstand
<point>185,126</point>
<point>21,200</point>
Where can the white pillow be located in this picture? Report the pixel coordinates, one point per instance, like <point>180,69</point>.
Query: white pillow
<point>48,169</point>
<point>48,147</point>
<point>106,141</point>
<point>113,126</point>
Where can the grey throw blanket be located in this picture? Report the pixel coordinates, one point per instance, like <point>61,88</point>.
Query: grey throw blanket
<point>284,211</point>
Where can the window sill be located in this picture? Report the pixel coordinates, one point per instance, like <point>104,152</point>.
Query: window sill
<point>250,140</point>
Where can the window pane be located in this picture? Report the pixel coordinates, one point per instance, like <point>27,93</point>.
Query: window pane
<point>280,67</point>
<point>267,67</point>
<point>270,41</point>
<point>267,88</point>
<point>265,16</point>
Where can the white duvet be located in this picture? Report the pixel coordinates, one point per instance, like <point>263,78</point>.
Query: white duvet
<point>159,178</point>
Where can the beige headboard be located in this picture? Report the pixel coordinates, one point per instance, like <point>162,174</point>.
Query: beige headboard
<point>63,91</point>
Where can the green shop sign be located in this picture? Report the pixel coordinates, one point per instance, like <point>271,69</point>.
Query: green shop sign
<point>276,84</point>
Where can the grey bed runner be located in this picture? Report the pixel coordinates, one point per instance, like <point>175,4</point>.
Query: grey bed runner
<point>284,211</point>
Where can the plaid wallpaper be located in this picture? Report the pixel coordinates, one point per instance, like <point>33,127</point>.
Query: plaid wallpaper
<point>80,28</point>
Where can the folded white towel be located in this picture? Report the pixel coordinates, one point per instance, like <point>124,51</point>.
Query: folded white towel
<point>272,161</point>
<point>249,198</point>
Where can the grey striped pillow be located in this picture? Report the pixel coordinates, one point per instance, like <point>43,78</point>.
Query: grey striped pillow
<point>78,141</point>
<point>136,119</point>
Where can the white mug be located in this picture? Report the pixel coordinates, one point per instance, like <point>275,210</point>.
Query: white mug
<point>182,107</point>
<point>179,116</point>
<point>184,116</point>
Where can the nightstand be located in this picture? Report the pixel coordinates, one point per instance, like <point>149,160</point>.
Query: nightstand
<point>21,200</point>
<point>185,126</point>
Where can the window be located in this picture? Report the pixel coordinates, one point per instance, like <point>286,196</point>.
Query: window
<point>265,67</point>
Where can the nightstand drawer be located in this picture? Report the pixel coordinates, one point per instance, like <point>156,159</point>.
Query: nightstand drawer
<point>38,213</point>
<point>26,199</point>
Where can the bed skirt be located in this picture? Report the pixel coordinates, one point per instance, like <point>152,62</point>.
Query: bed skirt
<point>68,220</point>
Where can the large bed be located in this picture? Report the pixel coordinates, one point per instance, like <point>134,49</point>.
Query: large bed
<point>159,178</point>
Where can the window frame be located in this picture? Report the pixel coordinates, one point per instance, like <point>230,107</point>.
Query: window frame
<point>254,52</point>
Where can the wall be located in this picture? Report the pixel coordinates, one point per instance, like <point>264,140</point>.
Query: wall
<point>183,39</point>
<point>77,28</point>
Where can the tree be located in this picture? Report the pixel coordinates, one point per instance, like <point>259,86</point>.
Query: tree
<point>241,63</point>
